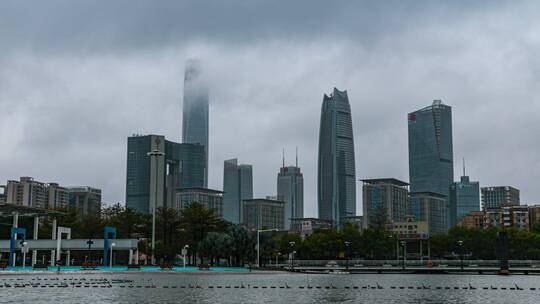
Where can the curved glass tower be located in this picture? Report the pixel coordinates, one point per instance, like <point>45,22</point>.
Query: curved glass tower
<point>195,110</point>
<point>336,171</point>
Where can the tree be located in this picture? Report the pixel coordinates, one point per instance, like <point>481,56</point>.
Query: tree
<point>197,221</point>
<point>242,247</point>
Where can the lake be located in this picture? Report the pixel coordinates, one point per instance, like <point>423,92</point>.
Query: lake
<point>264,287</point>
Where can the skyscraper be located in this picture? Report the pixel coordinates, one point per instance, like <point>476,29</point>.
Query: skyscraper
<point>237,186</point>
<point>464,198</point>
<point>431,164</point>
<point>195,109</point>
<point>336,187</point>
<point>290,190</point>
<point>180,166</point>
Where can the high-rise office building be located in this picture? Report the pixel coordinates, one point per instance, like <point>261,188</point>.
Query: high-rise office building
<point>237,186</point>
<point>290,190</point>
<point>177,166</point>
<point>431,208</point>
<point>464,199</point>
<point>384,200</point>
<point>195,109</point>
<point>262,213</point>
<point>495,197</point>
<point>431,164</point>
<point>336,187</point>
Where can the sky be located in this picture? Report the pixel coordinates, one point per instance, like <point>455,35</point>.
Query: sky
<point>78,77</point>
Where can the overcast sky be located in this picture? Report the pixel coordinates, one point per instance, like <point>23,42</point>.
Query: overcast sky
<point>78,77</point>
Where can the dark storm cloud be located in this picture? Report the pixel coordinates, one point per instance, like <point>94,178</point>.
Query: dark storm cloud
<point>77,78</point>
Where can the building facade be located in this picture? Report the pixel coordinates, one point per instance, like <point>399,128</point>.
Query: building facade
<point>430,207</point>
<point>58,197</point>
<point>306,226</point>
<point>336,187</point>
<point>290,190</point>
<point>357,220</point>
<point>2,194</point>
<point>495,197</point>
<point>195,110</point>
<point>31,193</point>
<point>464,198</point>
<point>384,200</point>
<point>534,215</point>
<point>516,217</point>
<point>431,164</point>
<point>152,180</point>
<point>237,187</point>
<point>472,220</point>
<point>209,198</point>
<point>410,229</point>
<point>263,214</point>
<point>87,200</point>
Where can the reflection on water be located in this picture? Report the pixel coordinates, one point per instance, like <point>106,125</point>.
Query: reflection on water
<point>288,288</point>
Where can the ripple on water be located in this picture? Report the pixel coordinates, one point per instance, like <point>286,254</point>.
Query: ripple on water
<point>139,287</point>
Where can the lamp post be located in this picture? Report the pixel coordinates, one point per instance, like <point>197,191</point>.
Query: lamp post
<point>347,245</point>
<point>460,243</point>
<point>404,244</point>
<point>258,244</point>
<point>184,253</point>
<point>24,249</point>
<point>292,254</point>
<point>111,255</point>
<point>155,155</point>
<point>89,242</point>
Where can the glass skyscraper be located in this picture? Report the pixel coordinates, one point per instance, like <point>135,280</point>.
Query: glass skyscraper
<point>290,190</point>
<point>195,109</point>
<point>237,187</point>
<point>181,166</point>
<point>431,165</point>
<point>336,187</point>
<point>464,198</point>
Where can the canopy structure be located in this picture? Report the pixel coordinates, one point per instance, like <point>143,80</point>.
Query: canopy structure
<point>56,244</point>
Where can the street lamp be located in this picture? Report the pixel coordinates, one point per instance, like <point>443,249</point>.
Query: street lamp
<point>292,255</point>
<point>184,253</point>
<point>347,245</point>
<point>24,249</point>
<point>460,243</point>
<point>404,244</point>
<point>156,154</point>
<point>111,255</point>
<point>258,243</point>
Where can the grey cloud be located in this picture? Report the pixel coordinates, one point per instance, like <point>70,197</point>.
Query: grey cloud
<point>76,80</point>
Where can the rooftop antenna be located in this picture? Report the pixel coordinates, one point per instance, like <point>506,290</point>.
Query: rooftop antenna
<point>283,158</point>
<point>297,157</point>
<point>464,166</point>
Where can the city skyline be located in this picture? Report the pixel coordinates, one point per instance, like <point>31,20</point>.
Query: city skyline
<point>266,92</point>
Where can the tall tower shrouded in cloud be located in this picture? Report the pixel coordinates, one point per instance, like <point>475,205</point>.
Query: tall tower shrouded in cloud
<point>195,109</point>
<point>336,171</point>
<point>431,164</point>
